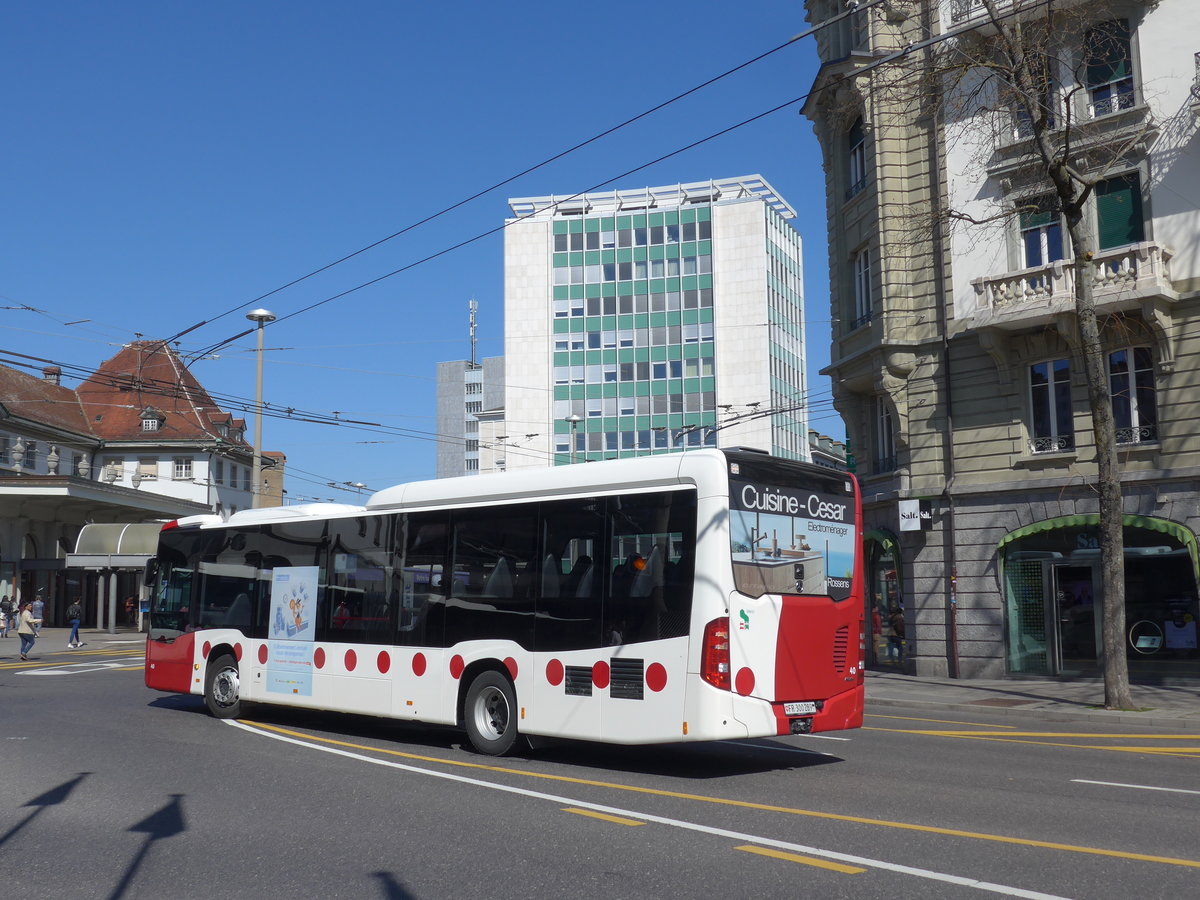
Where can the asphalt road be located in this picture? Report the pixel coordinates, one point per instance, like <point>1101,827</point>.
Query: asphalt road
<point>110,790</point>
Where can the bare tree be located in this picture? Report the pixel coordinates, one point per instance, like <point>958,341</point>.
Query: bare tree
<point>1023,65</point>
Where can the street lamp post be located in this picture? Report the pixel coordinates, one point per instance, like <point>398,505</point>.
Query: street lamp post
<point>261,317</point>
<point>574,419</point>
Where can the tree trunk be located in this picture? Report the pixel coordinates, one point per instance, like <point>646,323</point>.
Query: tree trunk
<point>1108,482</point>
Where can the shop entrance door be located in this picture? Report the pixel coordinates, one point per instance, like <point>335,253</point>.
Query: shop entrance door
<point>1076,610</point>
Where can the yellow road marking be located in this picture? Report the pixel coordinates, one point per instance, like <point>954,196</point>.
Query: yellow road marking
<point>796,857</point>
<point>1002,737</point>
<point>618,820</point>
<point>741,804</point>
<point>1049,734</point>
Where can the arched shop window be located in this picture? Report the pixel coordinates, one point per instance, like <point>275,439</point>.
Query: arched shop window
<point>1053,595</point>
<point>884,597</point>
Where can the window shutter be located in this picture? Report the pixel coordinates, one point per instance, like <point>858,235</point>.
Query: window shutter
<point>1108,53</point>
<point>1119,212</point>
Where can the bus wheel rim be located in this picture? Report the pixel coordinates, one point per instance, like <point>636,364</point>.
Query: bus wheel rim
<point>226,687</point>
<point>491,712</point>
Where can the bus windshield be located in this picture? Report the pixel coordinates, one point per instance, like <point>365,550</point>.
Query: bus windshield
<point>788,537</point>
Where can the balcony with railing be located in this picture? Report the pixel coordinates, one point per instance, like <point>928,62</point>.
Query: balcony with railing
<point>1196,86</point>
<point>1121,279</point>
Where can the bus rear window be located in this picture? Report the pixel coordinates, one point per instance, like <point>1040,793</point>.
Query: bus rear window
<point>791,538</point>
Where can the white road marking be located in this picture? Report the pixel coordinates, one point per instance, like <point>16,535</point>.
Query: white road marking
<point>1139,787</point>
<point>83,668</point>
<point>741,837</point>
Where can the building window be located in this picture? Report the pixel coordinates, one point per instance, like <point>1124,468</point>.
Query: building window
<point>1119,211</point>
<point>147,467</point>
<point>1044,100</point>
<point>885,436</point>
<point>181,467</point>
<point>149,424</point>
<point>1050,407</point>
<point>856,159</point>
<point>862,288</point>
<point>1108,58</point>
<point>474,387</point>
<point>1131,380</point>
<point>218,472</point>
<point>1041,232</point>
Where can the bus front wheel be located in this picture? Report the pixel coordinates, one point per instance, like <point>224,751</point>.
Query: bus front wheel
<point>490,714</point>
<point>222,688</point>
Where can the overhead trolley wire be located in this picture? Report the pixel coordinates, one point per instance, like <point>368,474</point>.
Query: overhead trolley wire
<point>510,179</point>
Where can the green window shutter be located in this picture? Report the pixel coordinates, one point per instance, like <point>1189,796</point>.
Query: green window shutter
<point>1045,212</point>
<point>1108,53</point>
<point>1119,212</point>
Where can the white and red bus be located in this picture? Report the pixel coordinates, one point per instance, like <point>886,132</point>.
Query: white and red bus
<point>685,597</point>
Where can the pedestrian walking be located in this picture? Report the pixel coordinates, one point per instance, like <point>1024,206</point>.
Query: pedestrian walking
<point>25,628</point>
<point>39,607</point>
<point>74,615</point>
<point>7,611</point>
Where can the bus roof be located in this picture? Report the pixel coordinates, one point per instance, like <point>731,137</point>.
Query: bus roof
<point>584,479</point>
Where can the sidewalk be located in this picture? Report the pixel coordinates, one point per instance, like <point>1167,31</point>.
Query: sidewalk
<point>1048,700</point>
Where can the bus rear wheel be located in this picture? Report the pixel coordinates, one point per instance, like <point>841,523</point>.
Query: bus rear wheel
<point>222,688</point>
<point>490,714</point>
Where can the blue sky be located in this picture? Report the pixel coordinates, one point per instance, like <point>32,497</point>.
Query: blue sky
<point>167,162</point>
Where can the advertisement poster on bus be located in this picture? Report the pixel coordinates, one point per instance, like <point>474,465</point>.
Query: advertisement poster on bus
<point>293,605</point>
<point>788,540</point>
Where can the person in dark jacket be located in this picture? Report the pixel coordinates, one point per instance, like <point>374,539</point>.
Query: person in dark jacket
<point>74,615</point>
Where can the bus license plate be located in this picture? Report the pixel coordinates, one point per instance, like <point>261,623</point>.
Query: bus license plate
<point>807,708</point>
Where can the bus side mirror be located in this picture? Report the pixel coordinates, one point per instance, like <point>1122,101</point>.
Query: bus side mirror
<point>150,572</point>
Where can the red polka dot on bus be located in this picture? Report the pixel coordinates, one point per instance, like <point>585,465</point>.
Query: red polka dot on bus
<point>744,682</point>
<point>205,650</point>
<point>554,672</point>
<point>600,674</point>
<point>384,662</point>
<point>319,658</point>
<point>511,665</point>
<point>351,660</point>
<point>418,664</point>
<point>656,677</point>
<point>456,666</point>
<point>238,651</point>
<point>262,654</point>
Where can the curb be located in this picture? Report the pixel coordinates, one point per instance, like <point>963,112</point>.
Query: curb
<point>1152,718</point>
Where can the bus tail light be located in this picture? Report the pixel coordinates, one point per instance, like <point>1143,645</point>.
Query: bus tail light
<point>714,663</point>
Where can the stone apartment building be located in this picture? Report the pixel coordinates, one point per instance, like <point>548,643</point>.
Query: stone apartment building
<point>956,360</point>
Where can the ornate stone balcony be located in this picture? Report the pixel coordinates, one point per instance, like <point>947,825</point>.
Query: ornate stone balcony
<point>1122,279</point>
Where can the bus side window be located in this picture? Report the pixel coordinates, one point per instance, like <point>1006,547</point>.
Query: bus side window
<point>423,544</point>
<point>497,549</point>
<point>651,593</point>
<point>568,604</point>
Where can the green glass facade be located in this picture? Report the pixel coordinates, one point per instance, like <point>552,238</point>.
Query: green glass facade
<point>632,324</point>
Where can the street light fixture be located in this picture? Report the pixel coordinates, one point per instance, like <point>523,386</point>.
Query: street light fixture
<point>261,317</point>
<point>574,419</point>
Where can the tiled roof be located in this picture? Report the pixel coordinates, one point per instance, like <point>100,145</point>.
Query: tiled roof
<point>39,400</point>
<point>150,374</point>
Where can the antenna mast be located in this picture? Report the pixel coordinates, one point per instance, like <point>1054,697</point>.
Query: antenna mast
<point>473,306</point>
